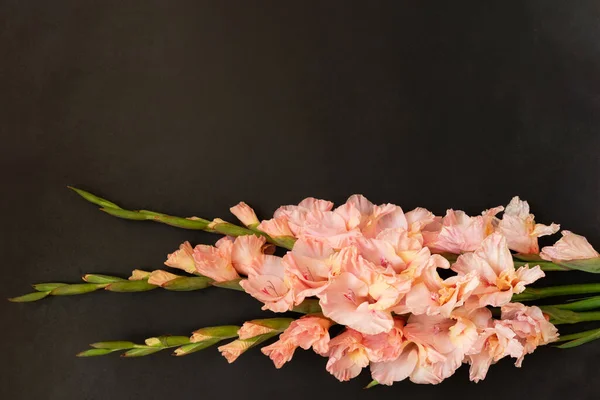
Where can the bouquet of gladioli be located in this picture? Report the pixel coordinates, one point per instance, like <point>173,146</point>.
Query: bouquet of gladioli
<point>374,271</point>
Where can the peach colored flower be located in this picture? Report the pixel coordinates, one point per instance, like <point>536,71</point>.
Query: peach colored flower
<point>182,259</point>
<point>569,247</point>
<point>306,332</point>
<point>139,275</point>
<point>290,220</point>
<point>246,252</point>
<point>215,261</point>
<point>232,350</point>
<point>385,216</point>
<point>494,343</point>
<point>415,362</point>
<point>418,219</point>
<point>347,355</point>
<point>385,346</point>
<point>160,277</point>
<point>394,248</point>
<point>276,228</point>
<point>520,229</point>
<point>493,264</point>
<point>251,329</point>
<point>245,214</point>
<point>460,233</point>
<point>329,227</point>
<point>530,326</point>
<point>267,283</point>
<point>308,266</point>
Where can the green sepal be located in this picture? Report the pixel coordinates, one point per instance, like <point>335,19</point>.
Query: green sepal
<point>95,352</point>
<point>167,341</point>
<point>126,214</point>
<point>141,351</point>
<point>29,297</point>
<point>113,345</point>
<point>185,283</point>
<point>591,265</point>
<point>220,332</point>
<point>277,324</point>
<point>96,278</point>
<point>92,198</point>
<point>308,306</point>
<point>47,287</point>
<point>194,347</point>
<point>233,284</point>
<point>371,384</point>
<point>130,286</point>
<point>77,288</point>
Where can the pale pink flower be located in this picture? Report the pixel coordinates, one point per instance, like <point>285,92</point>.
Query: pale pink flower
<point>139,275</point>
<point>215,261</point>
<point>530,325</point>
<point>347,355</point>
<point>418,219</point>
<point>267,283</point>
<point>494,343</point>
<point>290,220</point>
<point>415,362</point>
<point>308,266</point>
<point>520,229</point>
<point>385,346</point>
<point>251,329</point>
<point>460,233</point>
<point>182,259</point>
<point>493,264</point>
<point>330,227</point>
<point>246,252</point>
<point>276,227</point>
<point>393,248</point>
<point>569,247</point>
<point>245,214</point>
<point>232,350</point>
<point>385,216</point>
<point>306,332</point>
<point>160,277</point>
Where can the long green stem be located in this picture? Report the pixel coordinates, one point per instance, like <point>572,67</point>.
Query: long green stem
<point>591,303</point>
<point>217,226</point>
<point>540,293</point>
<point>559,317</point>
<point>577,339</point>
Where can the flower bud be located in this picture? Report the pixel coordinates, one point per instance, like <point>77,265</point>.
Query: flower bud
<point>245,214</point>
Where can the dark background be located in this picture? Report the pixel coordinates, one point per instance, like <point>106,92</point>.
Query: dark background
<point>189,107</point>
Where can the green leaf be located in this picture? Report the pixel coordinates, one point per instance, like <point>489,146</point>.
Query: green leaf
<point>558,316</point>
<point>29,297</point>
<point>308,306</point>
<point>46,287</point>
<point>114,345</point>
<point>95,352</point>
<point>77,288</point>
<point>185,284</point>
<point>194,347</point>
<point>371,384</point>
<point>142,351</point>
<point>126,214</point>
<point>167,341</point>
<point>96,278</point>
<point>92,198</point>
<point>591,265</point>
<point>130,286</point>
<point>577,342</point>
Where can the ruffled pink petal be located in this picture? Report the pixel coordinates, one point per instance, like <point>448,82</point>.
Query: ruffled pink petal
<point>280,352</point>
<point>418,218</point>
<point>347,355</point>
<point>496,253</point>
<point>386,216</point>
<point>215,262</point>
<point>386,373</point>
<point>246,252</point>
<point>276,227</point>
<point>245,214</point>
<point>269,285</point>
<point>313,204</point>
<point>160,277</point>
<point>569,247</point>
<point>183,258</point>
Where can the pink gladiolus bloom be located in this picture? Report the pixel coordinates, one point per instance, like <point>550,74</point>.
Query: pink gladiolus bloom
<point>245,214</point>
<point>308,266</point>
<point>347,355</point>
<point>267,283</point>
<point>215,261</point>
<point>251,329</point>
<point>460,233</point>
<point>246,252</point>
<point>290,220</point>
<point>160,277</point>
<point>494,343</point>
<point>385,346</point>
<point>493,264</point>
<point>182,259</point>
<point>306,332</point>
<point>232,350</point>
<point>569,247</point>
<point>530,326</point>
<point>520,229</point>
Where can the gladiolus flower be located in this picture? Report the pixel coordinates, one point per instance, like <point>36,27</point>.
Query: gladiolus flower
<point>245,214</point>
<point>347,355</point>
<point>183,258</point>
<point>215,261</point>
<point>160,277</point>
<point>520,229</point>
<point>268,284</point>
<point>569,247</point>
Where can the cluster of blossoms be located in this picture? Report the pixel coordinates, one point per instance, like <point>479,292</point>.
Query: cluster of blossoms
<point>376,271</point>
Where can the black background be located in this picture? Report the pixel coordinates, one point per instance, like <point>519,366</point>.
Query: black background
<point>189,107</point>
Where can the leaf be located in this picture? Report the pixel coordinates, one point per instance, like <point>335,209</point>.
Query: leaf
<point>185,283</point>
<point>130,286</point>
<point>591,265</point>
<point>78,288</point>
<point>233,284</point>
<point>194,347</point>
<point>114,345</point>
<point>577,342</point>
<point>559,316</point>
<point>141,351</point>
<point>126,214</point>
<point>29,297</point>
<point>92,198</point>
<point>96,278</point>
<point>95,352</point>
<point>46,287</point>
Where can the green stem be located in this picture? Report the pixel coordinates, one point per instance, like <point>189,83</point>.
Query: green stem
<point>544,265</point>
<point>577,339</point>
<point>540,293</point>
<point>559,317</point>
<point>580,305</point>
<point>195,223</point>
